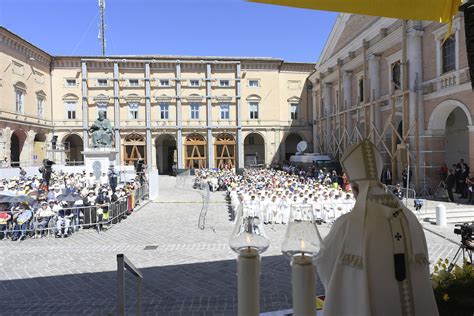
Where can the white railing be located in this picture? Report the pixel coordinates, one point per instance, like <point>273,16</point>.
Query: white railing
<point>448,80</point>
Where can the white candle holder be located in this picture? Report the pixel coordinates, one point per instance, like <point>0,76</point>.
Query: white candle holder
<point>302,241</point>
<point>249,240</point>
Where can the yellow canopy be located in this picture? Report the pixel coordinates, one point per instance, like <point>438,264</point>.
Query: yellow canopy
<point>432,10</point>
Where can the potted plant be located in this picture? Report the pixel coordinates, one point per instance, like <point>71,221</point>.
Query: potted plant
<point>453,287</point>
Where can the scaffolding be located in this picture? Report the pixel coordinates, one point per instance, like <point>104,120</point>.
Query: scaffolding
<point>333,135</point>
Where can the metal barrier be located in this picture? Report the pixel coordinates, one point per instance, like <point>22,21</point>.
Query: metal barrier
<point>182,178</point>
<point>122,264</point>
<point>185,181</point>
<point>407,193</point>
<point>81,216</point>
<point>206,197</point>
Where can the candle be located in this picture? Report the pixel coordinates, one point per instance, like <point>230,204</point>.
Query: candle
<point>304,285</point>
<point>248,282</point>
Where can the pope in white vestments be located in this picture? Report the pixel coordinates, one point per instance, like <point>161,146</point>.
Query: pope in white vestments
<point>374,261</point>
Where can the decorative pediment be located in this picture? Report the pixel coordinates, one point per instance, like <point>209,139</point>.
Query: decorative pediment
<point>41,94</point>
<point>346,28</point>
<point>20,85</point>
<point>70,97</point>
<point>294,99</point>
<point>194,98</point>
<point>133,98</point>
<point>101,98</point>
<point>224,98</point>
<point>253,97</point>
<point>163,98</point>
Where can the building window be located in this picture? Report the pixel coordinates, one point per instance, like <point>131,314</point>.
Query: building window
<point>361,90</point>
<point>164,110</point>
<point>19,101</point>
<point>102,82</point>
<point>194,111</point>
<point>224,111</point>
<point>71,82</point>
<point>294,111</point>
<point>396,76</point>
<point>448,51</point>
<point>40,106</point>
<point>71,110</point>
<point>133,82</point>
<point>254,83</point>
<point>102,107</point>
<point>251,140</point>
<point>253,107</point>
<point>194,83</point>
<point>224,83</point>
<point>164,83</point>
<point>133,110</point>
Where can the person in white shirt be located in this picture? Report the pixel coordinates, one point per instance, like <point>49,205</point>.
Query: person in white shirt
<point>104,180</point>
<point>42,217</point>
<point>91,180</point>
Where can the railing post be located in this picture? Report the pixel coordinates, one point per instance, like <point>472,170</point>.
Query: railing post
<point>139,296</point>
<point>121,284</point>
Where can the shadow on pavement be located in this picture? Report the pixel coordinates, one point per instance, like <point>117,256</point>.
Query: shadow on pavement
<point>206,288</point>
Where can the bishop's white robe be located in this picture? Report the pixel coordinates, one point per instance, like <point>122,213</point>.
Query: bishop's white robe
<point>371,288</point>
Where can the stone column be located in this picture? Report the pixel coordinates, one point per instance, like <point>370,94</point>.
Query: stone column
<point>28,148</point>
<point>415,80</point>
<point>5,143</point>
<point>148,117</point>
<point>85,112</point>
<point>374,80</point>
<point>471,146</point>
<point>238,118</point>
<point>315,118</point>
<point>117,114</point>
<point>210,148</point>
<point>347,98</point>
<point>327,110</point>
<point>179,131</point>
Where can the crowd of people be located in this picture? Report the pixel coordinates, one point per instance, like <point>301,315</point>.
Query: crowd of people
<point>458,179</point>
<point>71,201</point>
<point>327,192</point>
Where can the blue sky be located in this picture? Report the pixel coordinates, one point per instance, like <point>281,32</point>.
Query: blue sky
<point>170,27</point>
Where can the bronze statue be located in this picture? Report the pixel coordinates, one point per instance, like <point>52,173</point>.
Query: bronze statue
<point>101,132</point>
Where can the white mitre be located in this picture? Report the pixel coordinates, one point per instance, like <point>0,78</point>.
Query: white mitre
<point>374,261</point>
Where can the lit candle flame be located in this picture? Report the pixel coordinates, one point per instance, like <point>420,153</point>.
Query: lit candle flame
<point>247,239</point>
<point>302,244</point>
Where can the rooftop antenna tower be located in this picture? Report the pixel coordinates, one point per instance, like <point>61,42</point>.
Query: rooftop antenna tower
<point>102,25</point>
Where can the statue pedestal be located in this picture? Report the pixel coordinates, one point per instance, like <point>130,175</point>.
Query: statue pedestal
<point>98,160</point>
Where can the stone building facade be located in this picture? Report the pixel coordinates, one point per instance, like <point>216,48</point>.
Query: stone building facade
<point>191,111</point>
<point>401,84</point>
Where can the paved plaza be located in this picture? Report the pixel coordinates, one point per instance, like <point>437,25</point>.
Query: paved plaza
<point>187,271</point>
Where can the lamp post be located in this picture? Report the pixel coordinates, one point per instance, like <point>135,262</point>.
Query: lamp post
<point>249,240</point>
<point>302,241</point>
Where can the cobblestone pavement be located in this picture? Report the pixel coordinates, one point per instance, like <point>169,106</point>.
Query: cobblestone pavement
<point>188,271</point>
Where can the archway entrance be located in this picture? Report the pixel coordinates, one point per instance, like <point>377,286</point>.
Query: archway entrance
<point>73,145</point>
<point>40,147</point>
<point>195,152</point>
<point>225,151</point>
<point>450,120</point>
<point>134,149</point>
<point>17,141</point>
<point>290,145</point>
<point>166,154</point>
<point>254,150</point>
<point>457,137</point>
